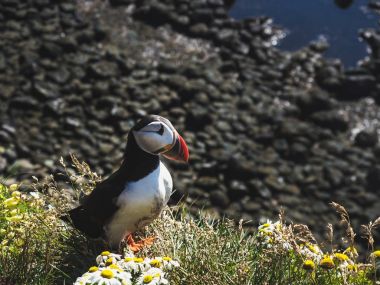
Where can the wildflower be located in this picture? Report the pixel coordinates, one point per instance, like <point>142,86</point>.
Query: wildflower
<point>93,269</point>
<point>269,227</point>
<point>106,277</point>
<point>106,273</point>
<point>134,264</point>
<point>309,265</point>
<point>169,263</point>
<point>313,248</point>
<point>351,251</point>
<point>16,194</point>
<point>153,276</point>
<point>311,251</point>
<point>327,263</point>
<point>13,187</point>
<point>107,258</point>
<point>376,253</point>
<point>115,267</point>
<point>341,257</point>
<point>11,202</point>
<point>83,279</point>
<point>155,263</point>
<point>110,261</point>
<point>352,267</point>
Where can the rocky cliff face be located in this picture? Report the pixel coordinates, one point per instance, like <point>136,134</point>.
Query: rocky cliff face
<point>265,128</point>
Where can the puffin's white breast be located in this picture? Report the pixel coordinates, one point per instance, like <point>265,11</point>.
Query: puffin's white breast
<point>139,203</point>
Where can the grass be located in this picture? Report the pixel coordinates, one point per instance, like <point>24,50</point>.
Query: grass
<point>37,247</point>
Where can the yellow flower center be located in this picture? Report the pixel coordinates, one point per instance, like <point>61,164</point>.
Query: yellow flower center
<point>155,263</point>
<point>93,269</point>
<point>147,279</point>
<point>351,250</point>
<point>376,253</point>
<point>105,253</point>
<point>327,263</point>
<point>106,273</point>
<point>138,259</point>
<point>352,267</point>
<point>311,248</point>
<point>109,261</point>
<point>309,265</point>
<point>116,267</point>
<point>341,256</point>
<point>128,259</point>
<point>167,258</point>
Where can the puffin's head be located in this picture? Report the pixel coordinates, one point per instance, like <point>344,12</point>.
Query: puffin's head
<point>156,135</point>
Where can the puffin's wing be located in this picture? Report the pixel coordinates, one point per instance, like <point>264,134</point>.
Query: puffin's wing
<point>99,206</point>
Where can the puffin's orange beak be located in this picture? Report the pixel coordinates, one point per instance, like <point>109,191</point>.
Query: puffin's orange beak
<point>179,151</point>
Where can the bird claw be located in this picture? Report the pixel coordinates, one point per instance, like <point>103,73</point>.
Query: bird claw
<point>137,246</point>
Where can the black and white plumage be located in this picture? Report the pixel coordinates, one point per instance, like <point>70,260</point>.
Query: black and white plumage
<point>137,192</point>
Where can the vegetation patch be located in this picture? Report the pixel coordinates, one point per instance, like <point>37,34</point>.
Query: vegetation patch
<point>39,247</point>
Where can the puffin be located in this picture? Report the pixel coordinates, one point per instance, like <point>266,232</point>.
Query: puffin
<point>134,195</point>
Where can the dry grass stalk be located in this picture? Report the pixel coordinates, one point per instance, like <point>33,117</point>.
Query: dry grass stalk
<point>330,235</point>
<point>345,220</point>
<point>303,234</point>
<point>367,231</point>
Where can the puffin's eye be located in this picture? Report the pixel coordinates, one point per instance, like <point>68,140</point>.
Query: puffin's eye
<point>161,130</point>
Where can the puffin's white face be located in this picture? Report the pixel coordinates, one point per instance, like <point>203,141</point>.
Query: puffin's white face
<point>156,137</point>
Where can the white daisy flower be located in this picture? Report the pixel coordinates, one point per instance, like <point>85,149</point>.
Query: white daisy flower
<point>153,276</point>
<point>165,263</point>
<point>107,258</point>
<point>83,279</point>
<point>109,276</point>
<point>133,264</point>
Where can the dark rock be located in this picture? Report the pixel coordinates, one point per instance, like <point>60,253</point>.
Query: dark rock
<point>237,190</point>
<point>366,138</point>
<point>239,168</point>
<point>120,2</point>
<point>333,120</point>
<point>45,90</point>
<point>373,178</point>
<point>251,206</point>
<point>60,76</point>
<point>298,152</point>
<point>50,50</point>
<point>103,69</point>
<point>156,14</point>
<point>314,101</point>
<point>219,199</point>
<point>357,86</point>
<point>200,30</point>
<point>197,119</point>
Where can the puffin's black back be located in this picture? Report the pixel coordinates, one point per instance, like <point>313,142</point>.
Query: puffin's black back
<point>99,207</point>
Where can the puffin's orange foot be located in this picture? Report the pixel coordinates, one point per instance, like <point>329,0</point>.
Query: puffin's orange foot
<point>137,246</point>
